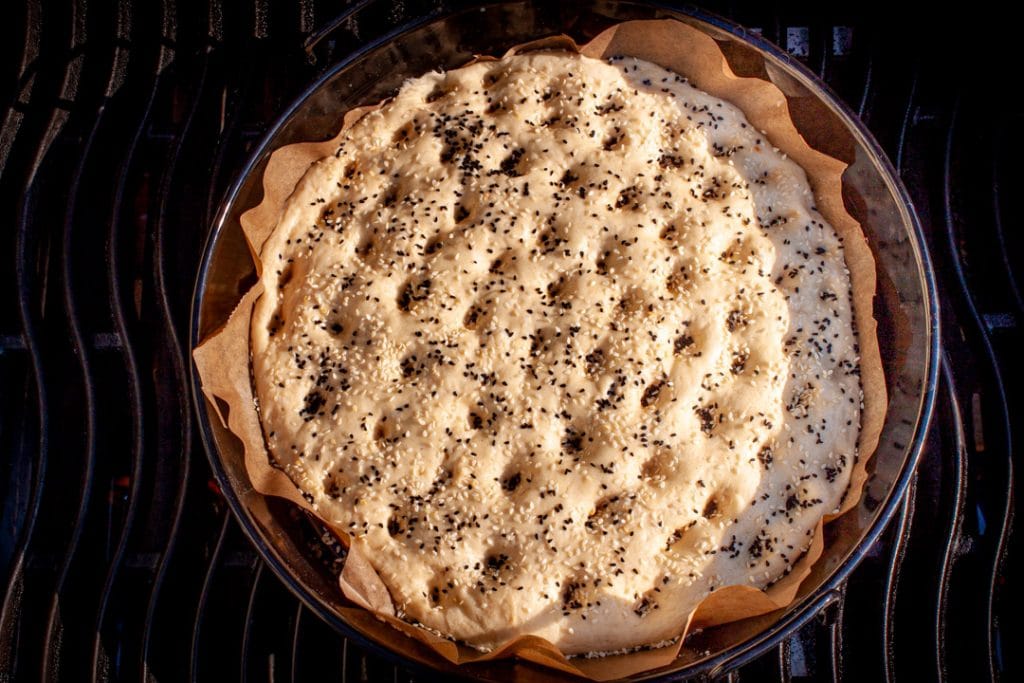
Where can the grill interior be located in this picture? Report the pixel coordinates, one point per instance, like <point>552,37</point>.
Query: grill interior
<point>122,127</point>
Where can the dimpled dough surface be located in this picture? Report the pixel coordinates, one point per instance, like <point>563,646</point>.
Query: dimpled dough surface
<point>565,344</point>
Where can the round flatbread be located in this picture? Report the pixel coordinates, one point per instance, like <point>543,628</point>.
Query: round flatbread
<point>565,344</point>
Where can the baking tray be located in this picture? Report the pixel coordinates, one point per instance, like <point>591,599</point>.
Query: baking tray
<point>906,309</point>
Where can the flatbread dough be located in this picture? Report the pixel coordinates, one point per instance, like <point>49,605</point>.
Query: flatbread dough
<point>566,344</point>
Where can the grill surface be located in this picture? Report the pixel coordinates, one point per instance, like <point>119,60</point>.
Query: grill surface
<point>121,129</point>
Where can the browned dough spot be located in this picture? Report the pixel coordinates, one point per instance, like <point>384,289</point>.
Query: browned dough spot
<point>380,430</point>
<point>434,244</point>
<point>656,466</point>
<point>594,361</point>
<point>495,564</point>
<point>276,322</point>
<point>679,534</point>
<point>511,482</point>
<point>404,133</point>
<point>680,280</point>
<point>286,276</point>
<point>576,594</point>
<point>394,527</point>
<point>412,293</point>
<point>629,198</point>
<point>473,317</point>
<point>646,603</point>
<point>494,76</point>
<point>739,362</point>
<point>652,392</point>
<point>411,366</point>
<point>436,94</point>
<point>710,510</point>
<point>332,484</point>
<point>365,246</point>
<point>615,140</point>
<point>684,343</point>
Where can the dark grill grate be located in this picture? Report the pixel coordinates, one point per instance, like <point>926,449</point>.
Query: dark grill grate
<point>121,128</point>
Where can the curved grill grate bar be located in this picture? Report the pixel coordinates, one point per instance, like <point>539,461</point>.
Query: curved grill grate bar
<point>835,638</point>
<point>344,659</point>
<point>129,344</point>
<point>896,555</point>
<point>14,593</point>
<point>997,379</point>
<point>269,630</point>
<point>296,639</point>
<point>14,590</point>
<point>785,675</point>
<point>141,462</point>
<point>999,558</point>
<point>245,653</point>
<point>953,536</point>
<point>905,125</point>
<point>50,663</point>
<point>233,105</point>
<point>204,596</point>
<point>178,363</point>
<point>862,107</point>
<point>55,651</point>
<point>825,45</point>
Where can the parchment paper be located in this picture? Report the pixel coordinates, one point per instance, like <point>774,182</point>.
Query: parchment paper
<point>222,359</point>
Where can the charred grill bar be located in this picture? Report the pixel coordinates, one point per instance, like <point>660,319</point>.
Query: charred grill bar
<point>122,127</point>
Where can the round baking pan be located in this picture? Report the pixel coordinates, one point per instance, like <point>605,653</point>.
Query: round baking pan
<point>905,307</point>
